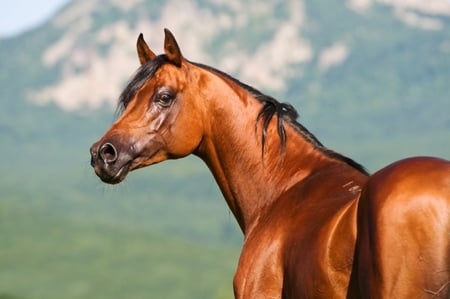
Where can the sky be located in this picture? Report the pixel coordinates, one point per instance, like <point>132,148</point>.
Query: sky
<point>17,16</point>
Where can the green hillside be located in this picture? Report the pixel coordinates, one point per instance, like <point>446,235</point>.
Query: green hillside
<point>390,99</point>
<point>166,232</point>
<point>55,257</point>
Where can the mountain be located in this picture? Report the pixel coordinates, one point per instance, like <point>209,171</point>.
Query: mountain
<point>370,78</point>
<point>375,70</point>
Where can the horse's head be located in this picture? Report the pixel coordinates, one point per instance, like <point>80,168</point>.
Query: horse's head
<point>161,117</point>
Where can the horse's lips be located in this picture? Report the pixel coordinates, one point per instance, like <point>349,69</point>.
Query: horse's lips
<point>122,173</point>
<point>118,177</point>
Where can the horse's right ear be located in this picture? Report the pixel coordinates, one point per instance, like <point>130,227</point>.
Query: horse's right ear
<point>144,52</point>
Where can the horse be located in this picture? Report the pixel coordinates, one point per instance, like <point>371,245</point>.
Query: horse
<point>315,223</point>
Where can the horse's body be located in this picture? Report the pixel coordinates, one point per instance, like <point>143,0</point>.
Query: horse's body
<point>315,224</point>
<point>403,246</point>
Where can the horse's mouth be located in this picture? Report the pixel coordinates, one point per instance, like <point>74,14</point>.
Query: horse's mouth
<point>113,176</point>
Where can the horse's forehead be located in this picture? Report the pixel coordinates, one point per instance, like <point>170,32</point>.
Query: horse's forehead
<point>172,76</point>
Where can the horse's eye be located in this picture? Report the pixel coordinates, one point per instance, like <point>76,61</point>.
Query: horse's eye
<point>164,98</point>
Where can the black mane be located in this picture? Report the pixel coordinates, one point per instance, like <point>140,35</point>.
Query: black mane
<point>283,112</point>
<point>271,108</point>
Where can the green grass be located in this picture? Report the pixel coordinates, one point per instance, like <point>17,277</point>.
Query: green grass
<point>45,256</point>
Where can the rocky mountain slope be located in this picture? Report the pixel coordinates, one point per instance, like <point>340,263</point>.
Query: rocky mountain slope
<point>368,70</point>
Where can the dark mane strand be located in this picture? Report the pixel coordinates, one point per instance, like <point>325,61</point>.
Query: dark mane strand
<point>142,75</point>
<point>271,108</point>
<point>283,112</point>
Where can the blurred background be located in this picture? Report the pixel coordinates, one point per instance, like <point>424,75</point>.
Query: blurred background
<point>370,78</point>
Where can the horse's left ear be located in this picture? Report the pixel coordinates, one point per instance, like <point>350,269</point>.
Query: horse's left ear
<point>144,52</point>
<point>171,48</point>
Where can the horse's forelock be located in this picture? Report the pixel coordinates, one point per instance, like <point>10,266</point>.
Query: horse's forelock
<point>142,75</point>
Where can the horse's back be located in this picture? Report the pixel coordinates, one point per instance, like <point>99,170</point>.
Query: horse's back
<point>404,231</point>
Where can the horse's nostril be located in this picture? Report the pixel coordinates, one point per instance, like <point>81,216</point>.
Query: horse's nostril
<point>108,153</point>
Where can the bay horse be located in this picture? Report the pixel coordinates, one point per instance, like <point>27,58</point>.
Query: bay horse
<point>315,223</point>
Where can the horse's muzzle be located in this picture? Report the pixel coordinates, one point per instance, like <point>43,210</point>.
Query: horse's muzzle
<point>110,163</point>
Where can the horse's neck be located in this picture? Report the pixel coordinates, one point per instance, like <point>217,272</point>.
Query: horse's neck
<point>249,179</point>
